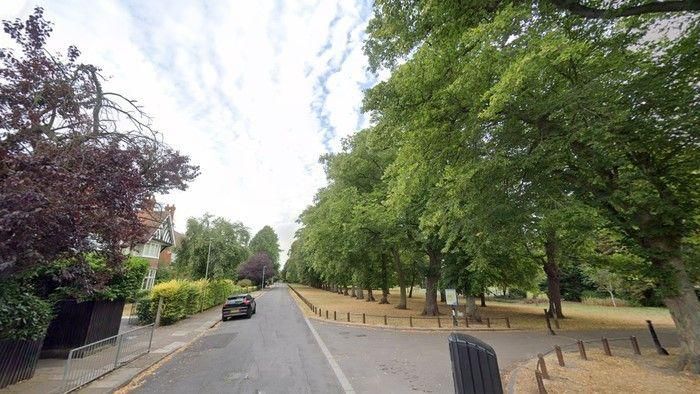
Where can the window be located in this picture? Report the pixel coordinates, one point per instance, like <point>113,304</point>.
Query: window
<point>149,280</point>
<point>151,249</point>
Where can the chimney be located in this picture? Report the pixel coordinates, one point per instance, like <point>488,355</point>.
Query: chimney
<point>171,210</point>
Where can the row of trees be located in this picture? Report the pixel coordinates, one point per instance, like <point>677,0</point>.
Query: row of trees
<point>513,139</point>
<point>214,247</point>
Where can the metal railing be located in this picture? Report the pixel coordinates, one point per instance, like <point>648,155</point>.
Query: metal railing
<point>89,362</point>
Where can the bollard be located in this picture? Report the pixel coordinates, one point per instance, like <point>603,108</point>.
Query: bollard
<point>581,349</point>
<point>560,356</point>
<point>439,325</point>
<point>635,345</point>
<point>363,319</point>
<point>410,321</point>
<point>542,365</point>
<point>540,383</point>
<point>659,349</point>
<point>385,320</point>
<point>488,322</point>
<point>466,320</point>
<point>348,317</point>
<point>606,346</point>
<point>507,322</point>
<point>335,317</point>
<point>326,314</point>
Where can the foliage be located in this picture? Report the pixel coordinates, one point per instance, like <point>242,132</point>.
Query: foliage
<point>266,240</point>
<point>252,269</point>
<point>23,315</point>
<point>64,133</point>
<point>183,298</point>
<point>222,242</point>
<point>245,283</point>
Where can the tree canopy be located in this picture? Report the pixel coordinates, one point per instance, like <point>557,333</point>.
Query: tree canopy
<point>266,240</point>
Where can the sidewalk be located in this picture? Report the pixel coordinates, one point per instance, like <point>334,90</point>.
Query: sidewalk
<point>166,340</point>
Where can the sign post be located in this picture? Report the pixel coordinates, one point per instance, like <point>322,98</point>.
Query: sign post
<point>451,298</point>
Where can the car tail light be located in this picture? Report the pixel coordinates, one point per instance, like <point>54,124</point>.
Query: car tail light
<point>246,302</point>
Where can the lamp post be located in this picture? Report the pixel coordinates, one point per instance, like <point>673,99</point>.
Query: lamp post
<point>206,274</point>
<point>262,285</point>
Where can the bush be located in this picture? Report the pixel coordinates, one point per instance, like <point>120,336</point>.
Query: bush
<point>245,283</point>
<point>23,315</point>
<point>183,298</point>
<point>144,310</point>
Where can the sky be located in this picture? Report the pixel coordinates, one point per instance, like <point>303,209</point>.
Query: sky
<point>253,91</point>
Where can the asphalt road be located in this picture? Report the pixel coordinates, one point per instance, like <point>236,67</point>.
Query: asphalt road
<point>276,352</point>
<point>272,352</point>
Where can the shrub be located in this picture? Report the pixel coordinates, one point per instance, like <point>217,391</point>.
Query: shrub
<point>23,315</point>
<point>245,283</point>
<point>144,310</point>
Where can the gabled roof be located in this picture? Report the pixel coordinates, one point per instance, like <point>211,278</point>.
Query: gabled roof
<point>159,226</point>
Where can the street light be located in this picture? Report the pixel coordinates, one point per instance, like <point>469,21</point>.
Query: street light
<point>263,278</point>
<point>206,274</point>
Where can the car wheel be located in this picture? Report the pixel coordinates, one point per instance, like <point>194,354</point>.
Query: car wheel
<point>255,309</point>
<point>223,318</point>
<point>250,313</point>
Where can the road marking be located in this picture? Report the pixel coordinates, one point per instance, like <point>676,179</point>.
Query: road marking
<point>344,382</point>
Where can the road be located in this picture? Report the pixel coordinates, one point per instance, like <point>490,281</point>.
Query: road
<point>272,352</point>
<point>275,352</point>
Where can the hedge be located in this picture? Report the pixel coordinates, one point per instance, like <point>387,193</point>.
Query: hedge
<point>183,298</point>
<point>23,315</point>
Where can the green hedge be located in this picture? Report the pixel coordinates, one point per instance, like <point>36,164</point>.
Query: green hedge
<point>183,298</point>
<point>23,315</point>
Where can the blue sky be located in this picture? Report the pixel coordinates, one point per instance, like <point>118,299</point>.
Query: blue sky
<point>253,91</point>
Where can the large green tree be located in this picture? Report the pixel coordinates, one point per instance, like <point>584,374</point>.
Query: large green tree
<point>266,240</point>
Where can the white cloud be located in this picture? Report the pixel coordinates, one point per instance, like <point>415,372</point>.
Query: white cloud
<point>253,91</point>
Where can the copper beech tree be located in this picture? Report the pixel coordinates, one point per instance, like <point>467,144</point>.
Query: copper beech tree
<point>77,160</point>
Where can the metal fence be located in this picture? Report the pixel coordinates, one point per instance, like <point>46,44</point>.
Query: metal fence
<point>89,362</point>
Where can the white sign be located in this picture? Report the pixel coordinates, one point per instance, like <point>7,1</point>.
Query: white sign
<point>451,296</point>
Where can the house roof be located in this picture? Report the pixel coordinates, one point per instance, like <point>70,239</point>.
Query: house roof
<point>158,224</point>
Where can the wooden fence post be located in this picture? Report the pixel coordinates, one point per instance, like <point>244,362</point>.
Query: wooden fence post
<point>635,345</point>
<point>488,322</point>
<point>410,321</point>
<point>335,317</point>
<point>466,320</point>
<point>606,346</point>
<point>439,325</point>
<point>326,314</point>
<point>507,322</point>
<point>542,365</point>
<point>581,349</point>
<point>540,383</point>
<point>348,317</point>
<point>385,320</point>
<point>363,319</point>
<point>560,356</point>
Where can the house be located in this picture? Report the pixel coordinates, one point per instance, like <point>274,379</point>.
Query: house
<point>159,241</point>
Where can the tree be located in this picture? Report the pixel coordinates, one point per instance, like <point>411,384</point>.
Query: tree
<point>63,133</point>
<point>214,238</point>
<point>253,268</point>
<point>266,241</point>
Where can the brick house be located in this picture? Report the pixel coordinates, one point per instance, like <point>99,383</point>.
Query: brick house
<point>159,242</point>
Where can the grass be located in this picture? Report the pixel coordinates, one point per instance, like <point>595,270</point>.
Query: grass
<point>622,373</point>
<point>521,315</point>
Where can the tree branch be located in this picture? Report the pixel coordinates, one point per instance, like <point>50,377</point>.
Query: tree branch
<point>575,7</point>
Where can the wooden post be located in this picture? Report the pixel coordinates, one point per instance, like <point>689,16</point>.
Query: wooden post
<point>410,321</point>
<point>560,356</point>
<point>542,365</point>
<point>606,346</point>
<point>540,383</point>
<point>363,319</point>
<point>159,311</point>
<point>581,349</point>
<point>635,345</point>
<point>326,314</point>
<point>466,320</point>
<point>385,320</point>
<point>439,325</point>
<point>335,317</point>
<point>488,322</point>
<point>507,322</point>
<point>348,317</point>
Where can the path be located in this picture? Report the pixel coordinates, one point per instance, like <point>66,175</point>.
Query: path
<point>272,352</point>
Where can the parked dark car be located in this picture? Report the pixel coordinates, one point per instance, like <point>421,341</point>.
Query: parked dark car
<point>238,305</point>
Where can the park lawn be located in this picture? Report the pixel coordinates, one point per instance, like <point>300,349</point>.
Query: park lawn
<point>621,373</point>
<point>521,315</point>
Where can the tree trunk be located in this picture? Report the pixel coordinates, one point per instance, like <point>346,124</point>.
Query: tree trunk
<point>360,293</point>
<point>431,279</point>
<point>352,292</point>
<point>685,311</point>
<point>443,297</point>
<point>370,295</point>
<point>413,281</point>
<point>385,282</point>
<point>551,268</point>
<point>401,279</point>
<point>345,290</point>
<point>472,311</point>
<point>612,298</point>
<point>483,299</point>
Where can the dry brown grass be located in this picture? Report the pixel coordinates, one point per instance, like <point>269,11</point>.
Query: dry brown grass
<point>522,316</point>
<point>622,373</point>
